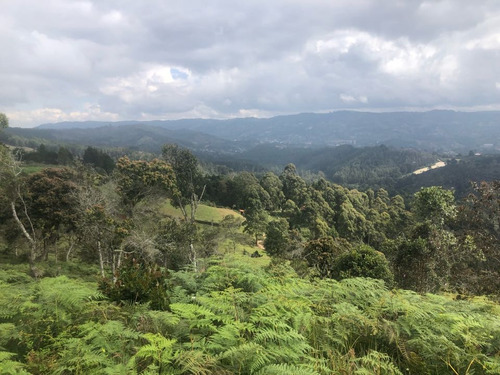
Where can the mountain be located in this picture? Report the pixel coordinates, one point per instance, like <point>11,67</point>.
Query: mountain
<point>143,137</point>
<point>431,131</point>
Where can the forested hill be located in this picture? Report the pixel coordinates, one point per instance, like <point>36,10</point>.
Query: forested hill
<point>355,166</point>
<point>433,130</point>
<point>141,137</point>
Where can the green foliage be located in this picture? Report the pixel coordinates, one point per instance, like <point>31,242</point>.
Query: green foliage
<point>255,222</point>
<point>95,347</point>
<point>229,313</point>
<point>277,240</point>
<point>98,159</point>
<point>137,282</point>
<point>376,363</point>
<point>242,319</point>
<point>363,262</point>
<point>323,253</point>
<point>435,204</point>
<point>8,366</point>
<point>136,179</point>
<point>4,121</point>
<point>156,356</point>
<point>51,200</point>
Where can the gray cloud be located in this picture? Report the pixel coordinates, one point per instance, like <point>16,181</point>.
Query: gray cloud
<point>122,59</point>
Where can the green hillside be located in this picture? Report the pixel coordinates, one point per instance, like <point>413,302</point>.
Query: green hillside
<point>204,213</point>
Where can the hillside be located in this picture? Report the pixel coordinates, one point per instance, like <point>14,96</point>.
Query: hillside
<point>458,174</point>
<point>433,130</point>
<point>139,137</point>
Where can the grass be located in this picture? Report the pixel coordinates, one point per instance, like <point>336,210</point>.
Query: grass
<point>204,212</point>
<point>34,168</point>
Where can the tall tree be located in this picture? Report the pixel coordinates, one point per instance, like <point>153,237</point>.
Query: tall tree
<point>11,184</point>
<point>138,178</point>
<point>4,121</point>
<point>274,187</point>
<point>99,232</point>
<point>51,199</point>
<point>478,224</point>
<point>435,204</point>
<point>98,159</point>
<point>277,240</point>
<point>189,185</point>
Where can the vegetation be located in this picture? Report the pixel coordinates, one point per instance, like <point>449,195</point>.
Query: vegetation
<point>126,271</point>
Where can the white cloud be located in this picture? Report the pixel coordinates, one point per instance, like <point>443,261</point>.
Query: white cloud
<point>349,99</point>
<point>224,59</point>
<point>52,115</point>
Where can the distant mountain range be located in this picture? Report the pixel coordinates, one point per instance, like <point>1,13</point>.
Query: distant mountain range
<point>372,149</point>
<point>430,131</point>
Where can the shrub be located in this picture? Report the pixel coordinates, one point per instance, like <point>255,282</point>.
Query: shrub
<point>138,282</point>
<point>363,262</point>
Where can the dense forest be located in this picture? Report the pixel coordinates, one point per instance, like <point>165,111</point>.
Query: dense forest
<point>143,264</point>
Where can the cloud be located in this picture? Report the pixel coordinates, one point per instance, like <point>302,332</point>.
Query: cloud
<point>349,99</point>
<point>220,59</point>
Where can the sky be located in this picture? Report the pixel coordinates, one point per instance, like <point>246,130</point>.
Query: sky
<point>111,60</point>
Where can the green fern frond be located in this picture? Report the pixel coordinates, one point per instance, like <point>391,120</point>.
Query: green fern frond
<point>10,367</point>
<point>376,363</point>
<point>285,369</point>
<point>195,362</point>
<point>7,332</point>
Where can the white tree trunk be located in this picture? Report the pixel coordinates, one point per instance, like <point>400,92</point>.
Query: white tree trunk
<point>101,260</point>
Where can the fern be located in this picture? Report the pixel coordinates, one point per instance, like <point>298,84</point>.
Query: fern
<point>195,362</point>
<point>241,356</point>
<point>285,369</point>
<point>10,367</point>
<point>375,363</point>
<point>8,332</point>
<point>157,354</point>
<point>77,357</point>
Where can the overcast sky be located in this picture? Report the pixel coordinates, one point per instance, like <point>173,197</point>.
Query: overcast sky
<point>64,60</point>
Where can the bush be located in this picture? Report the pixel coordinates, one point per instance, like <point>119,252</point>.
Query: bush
<point>138,282</point>
<point>363,262</point>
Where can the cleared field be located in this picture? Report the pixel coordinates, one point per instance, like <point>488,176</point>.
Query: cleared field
<point>33,168</point>
<point>204,212</point>
<point>439,164</point>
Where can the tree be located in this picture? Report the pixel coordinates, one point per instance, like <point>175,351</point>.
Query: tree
<point>64,156</point>
<point>50,197</point>
<point>423,259</point>
<point>255,222</point>
<point>4,121</point>
<point>293,185</point>
<point>98,159</point>
<point>274,188</point>
<point>12,187</point>
<point>247,193</point>
<point>363,262</point>
<point>188,178</point>
<point>100,233</point>
<point>435,204</point>
<point>175,240</point>
<point>323,252</point>
<point>277,240</point>
<point>478,226</point>
<point>138,178</point>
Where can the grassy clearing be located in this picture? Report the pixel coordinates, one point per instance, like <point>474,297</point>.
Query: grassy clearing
<point>34,168</point>
<point>204,212</point>
<point>241,251</point>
